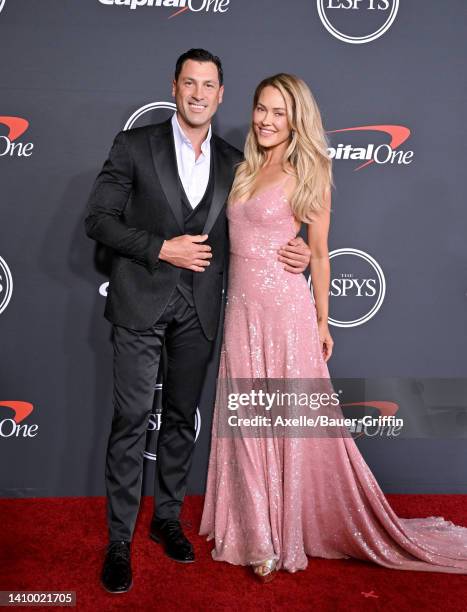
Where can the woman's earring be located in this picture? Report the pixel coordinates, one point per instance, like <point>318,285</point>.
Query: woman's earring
<point>292,134</point>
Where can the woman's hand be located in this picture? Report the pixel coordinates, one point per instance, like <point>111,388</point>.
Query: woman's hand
<point>325,339</point>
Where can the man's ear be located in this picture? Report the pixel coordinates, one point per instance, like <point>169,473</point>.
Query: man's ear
<point>174,85</point>
<point>221,94</point>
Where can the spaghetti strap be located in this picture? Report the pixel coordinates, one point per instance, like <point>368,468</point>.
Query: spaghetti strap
<point>285,180</point>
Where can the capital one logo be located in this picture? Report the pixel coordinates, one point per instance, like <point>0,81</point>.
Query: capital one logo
<point>13,426</point>
<point>358,287</point>
<point>357,21</point>
<point>154,425</point>
<point>195,6</point>
<point>10,146</point>
<point>385,153</point>
<point>6,285</point>
<point>384,409</point>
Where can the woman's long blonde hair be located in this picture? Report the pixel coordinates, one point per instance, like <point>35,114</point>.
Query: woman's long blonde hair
<point>306,153</point>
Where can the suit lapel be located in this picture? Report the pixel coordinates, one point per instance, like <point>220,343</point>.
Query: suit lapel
<point>165,162</point>
<point>223,170</point>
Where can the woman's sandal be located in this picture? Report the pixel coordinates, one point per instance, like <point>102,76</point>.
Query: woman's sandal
<point>265,571</point>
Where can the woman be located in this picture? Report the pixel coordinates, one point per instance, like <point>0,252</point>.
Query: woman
<point>273,500</point>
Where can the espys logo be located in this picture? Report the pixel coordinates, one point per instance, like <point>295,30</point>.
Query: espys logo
<point>195,6</point>
<point>104,289</point>
<point>16,128</point>
<point>6,285</point>
<point>154,425</point>
<point>14,427</point>
<point>357,21</point>
<point>379,154</point>
<point>147,108</point>
<point>358,287</point>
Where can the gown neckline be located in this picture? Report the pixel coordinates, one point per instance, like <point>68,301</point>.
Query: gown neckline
<point>277,186</point>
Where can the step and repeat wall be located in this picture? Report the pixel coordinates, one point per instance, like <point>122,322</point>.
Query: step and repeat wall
<point>389,77</point>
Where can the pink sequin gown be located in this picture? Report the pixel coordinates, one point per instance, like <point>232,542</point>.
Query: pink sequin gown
<point>294,498</point>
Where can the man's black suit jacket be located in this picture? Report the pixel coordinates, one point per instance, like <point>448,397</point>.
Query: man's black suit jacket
<point>135,205</point>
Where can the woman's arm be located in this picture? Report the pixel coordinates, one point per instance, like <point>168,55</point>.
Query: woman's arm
<point>320,270</point>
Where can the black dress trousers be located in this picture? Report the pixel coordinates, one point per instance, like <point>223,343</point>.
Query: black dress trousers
<point>136,362</point>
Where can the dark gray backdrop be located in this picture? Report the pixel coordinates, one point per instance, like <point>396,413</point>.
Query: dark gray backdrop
<point>78,70</point>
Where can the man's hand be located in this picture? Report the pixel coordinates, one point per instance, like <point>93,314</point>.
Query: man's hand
<point>295,255</point>
<point>186,251</point>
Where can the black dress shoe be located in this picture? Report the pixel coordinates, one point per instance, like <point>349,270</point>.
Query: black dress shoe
<point>116,573</point>
<point>168,532</point>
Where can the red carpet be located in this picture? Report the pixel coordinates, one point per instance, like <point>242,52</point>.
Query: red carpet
<point>58,544</point>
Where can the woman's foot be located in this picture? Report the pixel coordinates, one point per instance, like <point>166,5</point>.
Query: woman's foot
<point>265,571</point>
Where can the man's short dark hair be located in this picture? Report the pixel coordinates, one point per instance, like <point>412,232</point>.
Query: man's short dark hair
<point>199,55</point>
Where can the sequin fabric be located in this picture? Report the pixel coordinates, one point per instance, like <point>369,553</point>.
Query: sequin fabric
<point>295,498</point>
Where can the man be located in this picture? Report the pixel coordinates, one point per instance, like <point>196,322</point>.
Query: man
<point>159,203</point>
